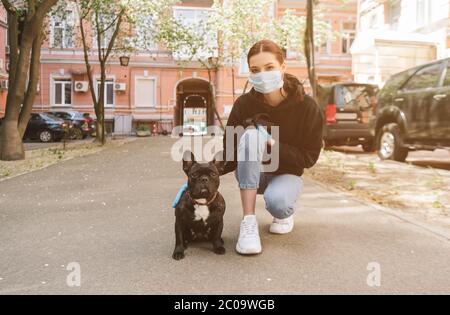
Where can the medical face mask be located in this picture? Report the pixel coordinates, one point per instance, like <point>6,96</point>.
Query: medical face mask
<point>266,81</point>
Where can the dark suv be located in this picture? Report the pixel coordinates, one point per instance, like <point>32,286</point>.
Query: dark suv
<point>348,108</point>
<point>413,111</point>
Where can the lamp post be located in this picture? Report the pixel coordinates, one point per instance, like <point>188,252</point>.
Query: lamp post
<point>124,62</point>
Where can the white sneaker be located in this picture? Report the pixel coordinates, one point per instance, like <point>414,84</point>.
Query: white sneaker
<point>249,242</point>
<point>282,226</point>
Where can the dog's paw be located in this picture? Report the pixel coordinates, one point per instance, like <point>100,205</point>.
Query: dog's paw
<point>178,255</point>
<point>220,250</point>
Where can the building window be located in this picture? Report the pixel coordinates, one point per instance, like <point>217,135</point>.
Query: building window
<point>348,36</point>
<point>195,20</point>
<point>424,12</point>
<point>395,9</point>
<point>243,66</point>
<point>109,92</point>
<point>62,30</point>
<point>62,92</point>
<point>324,47</point>
<point>105,21</point>
<point>145,92</point>
<point>144,38</point>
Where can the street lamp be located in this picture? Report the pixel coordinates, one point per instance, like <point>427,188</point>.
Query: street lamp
<point>124,61</point>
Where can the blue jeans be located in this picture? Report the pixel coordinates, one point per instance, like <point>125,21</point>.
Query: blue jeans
<point>281,192</point>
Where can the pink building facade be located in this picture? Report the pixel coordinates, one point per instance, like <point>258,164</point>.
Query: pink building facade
<point>153,90</point>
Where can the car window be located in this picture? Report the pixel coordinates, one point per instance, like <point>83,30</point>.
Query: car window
<point>447,76</point>
<point>394,83</point>
<point>50,117</point>
<point>427,77</point>
<point>77,116</point>
<point>355,96</point>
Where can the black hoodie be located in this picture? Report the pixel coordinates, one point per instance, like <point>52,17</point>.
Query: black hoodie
<point>300,122</point>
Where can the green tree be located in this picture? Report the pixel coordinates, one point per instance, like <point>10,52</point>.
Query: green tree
<point>26,21</point>
<point>107,21</point>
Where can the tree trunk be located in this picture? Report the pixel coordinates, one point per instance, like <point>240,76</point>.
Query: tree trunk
<point>25,113</point>
<point>101,105</point>
<point>309,47</point>
<point>21,59</point>
<point>11,142</point>
<point>99,130</point>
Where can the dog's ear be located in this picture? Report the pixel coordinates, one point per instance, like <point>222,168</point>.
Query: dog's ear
<point>188,161</point>
<point>218,162</point>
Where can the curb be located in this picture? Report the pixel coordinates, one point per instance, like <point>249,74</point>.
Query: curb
<point>61,161</point>
<point>441,233</point>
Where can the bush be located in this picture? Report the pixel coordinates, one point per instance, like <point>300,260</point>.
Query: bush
<point>142,128</point>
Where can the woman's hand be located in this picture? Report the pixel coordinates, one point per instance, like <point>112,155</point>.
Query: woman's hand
<point>271,142</point>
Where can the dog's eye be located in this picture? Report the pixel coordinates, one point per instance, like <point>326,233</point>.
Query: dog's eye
<point>194,176</point>
<point>212,174</point>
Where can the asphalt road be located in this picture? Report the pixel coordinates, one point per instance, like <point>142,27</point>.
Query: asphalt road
<point>110,214</point>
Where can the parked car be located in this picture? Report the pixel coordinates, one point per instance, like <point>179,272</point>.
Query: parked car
<point>193,130</point>
<point>413,111</point>
<point>82,126</point>
<point>45,127</point>
<point>348,108</point>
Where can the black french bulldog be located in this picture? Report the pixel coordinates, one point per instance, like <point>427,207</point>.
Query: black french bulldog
<point>200,210</point>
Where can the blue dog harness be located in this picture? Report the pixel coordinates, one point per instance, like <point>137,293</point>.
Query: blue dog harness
<point>179,195</point>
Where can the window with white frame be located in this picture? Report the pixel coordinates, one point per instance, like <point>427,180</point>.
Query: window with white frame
<point>145,92</point>
<point>324,47</point>
<point>292,54</point>
<point>243,66</point>
<point>62,92</point>
<point>144,34</point>
<point>395,10</point>
<point>109,92</point>
<point>424,12</point>
<point>348,36</point>
<point>107,24</point>
<point>62,30</point>
<point>195,20</point>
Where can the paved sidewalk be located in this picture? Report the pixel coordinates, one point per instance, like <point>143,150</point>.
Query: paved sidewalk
<point>111,213</point>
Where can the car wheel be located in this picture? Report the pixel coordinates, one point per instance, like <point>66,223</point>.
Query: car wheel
<point>390,144</point>
<point>46,136</point>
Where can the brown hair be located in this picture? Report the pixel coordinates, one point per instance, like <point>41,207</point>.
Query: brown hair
<point>291,83</point>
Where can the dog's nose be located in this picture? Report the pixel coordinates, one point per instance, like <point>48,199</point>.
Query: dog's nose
<point>204,178</point>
